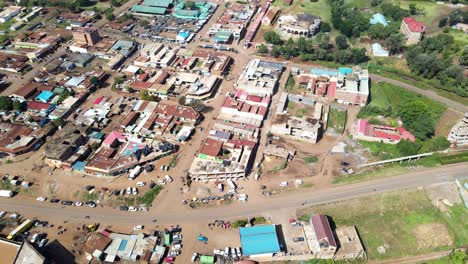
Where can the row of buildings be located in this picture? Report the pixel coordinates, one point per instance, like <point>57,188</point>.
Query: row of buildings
<point>232,142</point>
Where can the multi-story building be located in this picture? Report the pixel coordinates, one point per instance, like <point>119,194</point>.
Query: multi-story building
<point>412,29</point>
<point>459,133</point>
<point>300,25</point>
<point>86,36</point>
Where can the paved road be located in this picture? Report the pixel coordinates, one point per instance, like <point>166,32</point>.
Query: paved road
<point>431,94</point>
<point>292,201</point>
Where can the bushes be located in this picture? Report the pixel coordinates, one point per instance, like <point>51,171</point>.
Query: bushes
<point>310,159</point>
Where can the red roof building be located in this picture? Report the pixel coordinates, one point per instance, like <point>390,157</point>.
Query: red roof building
<point>211,148</point>
<point>386,134</point>
<point>324,233</point>
<point>412,29</point>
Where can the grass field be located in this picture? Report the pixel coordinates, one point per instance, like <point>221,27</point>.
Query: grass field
<point>392,219</point>
<point>385,94</point>
<point>337,120</point>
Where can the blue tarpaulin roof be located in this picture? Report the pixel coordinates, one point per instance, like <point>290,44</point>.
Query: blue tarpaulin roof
<point>378,19</point>
<point>79,166</point>
<point>259,240</point>
<point>322,72</point>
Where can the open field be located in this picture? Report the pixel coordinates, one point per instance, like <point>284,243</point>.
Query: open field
<point>337,120</point>
<point>408,219</point>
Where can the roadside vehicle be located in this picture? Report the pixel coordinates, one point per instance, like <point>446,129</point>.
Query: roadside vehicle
<point>149,167</point>
<point>43,242</point>
<point>218,252</point>
<point>67,202</point>
<point>41,199</point>
<point>140,184</point>
<point>143,209</point>
<point>169,259</point>
<point>220,187</point>
<point>176,247</point>
<point>132,209</point>
<point>152,184</point>
<point>161,182</point>
<point>176,242</point>
<point>34,238</point>
<point>227,252</point>
<point>122,192</point>
<point>54,200</point>
<point>123,208</point>
<point>284,184</point>
<point>134,172</point>
<point>89,187</point>
<point>168,178</point>
<point>134,191</point>
<point>129,190</point>
<point>298,239</point>
<point>2,214</point>
<point>177,236</point>
<point>203,239</point>
<point>26,225</point>
<point>91,204</point>
<point>173,253</point>
<point>194,257</point>
<point>78,204</point>
<point>6,193</point>
<point>138,227</point>
<point>239,252</point>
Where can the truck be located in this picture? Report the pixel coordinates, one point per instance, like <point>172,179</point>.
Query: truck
<point>6,193</point>
<point>20,229</point>
<point>134,173</point>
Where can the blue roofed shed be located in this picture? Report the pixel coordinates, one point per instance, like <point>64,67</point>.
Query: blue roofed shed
<point>45,96</point>
<point>379,51</point>
<point>345,70</point>
<point>324,72</point>
<point>259,240</point>
<point>222,36</point>
<point>378,19</point>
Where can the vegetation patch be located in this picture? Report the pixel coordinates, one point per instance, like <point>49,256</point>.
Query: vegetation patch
<point>148,198</point>
<point>310,159</point>
<point>337,120</point>
<point>282,166</point>
<point>401,213</point>
<point>259,220</point>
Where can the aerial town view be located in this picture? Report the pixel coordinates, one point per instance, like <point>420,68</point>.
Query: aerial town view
<point>234,131</point>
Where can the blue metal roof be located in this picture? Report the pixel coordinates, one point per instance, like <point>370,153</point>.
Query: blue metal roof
<point>345,70</point>
<point>45,96</point>
<point>259,240</point>
<point>323,72</point>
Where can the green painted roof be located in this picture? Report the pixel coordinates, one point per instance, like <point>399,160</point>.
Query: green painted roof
<point>207,259</point>
<point>148,9</point>
<point>222,35</point>
<point>158,3</point>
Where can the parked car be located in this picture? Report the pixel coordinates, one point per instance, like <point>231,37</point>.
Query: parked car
<point>54,200</point>
<point>132,209</point>
<point>174,253</point>
<point>2,214</point>
<point>194,257</point>
<point>138,227</point>
<point>41,199</point>
<point>34,238</point>
<point>176,247</point>
<point>67,202</point>
<point>43,242</point>
<point>91,204</point>
<point>298,239</point>
<point>169,259</point>
<point>218,252</point>
<point>78,204</point>
<point>129,190</point>
<point>134,191</point>
<point>149,167</point>
<point>284,184</point>
<point>89,187</point>
<point>116,192</point>
<point>168,178</point>
<point>177,236</point>
<point>161,182</point>
<point>123,208</point>
<point>140,184</point>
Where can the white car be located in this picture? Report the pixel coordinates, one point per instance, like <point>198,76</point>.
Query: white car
<point>132,209</point>
<point>129,190</point>
<point>168,178</point>
<point>218,252</point>
<point>140,184</point>
<point>138,227</point>
<point>284,184</point>
<point>78,204</point>
<point>2,214</point>
<point>43,242</point>
<point>41,199</point>
<point>176,247</point>
<point>174,253</point>
<point>162,182</point>
<point>177,236</point>
<point>134,191</point>
<point>34,238</point>
<point>194,257</point>
<point>143,209</point>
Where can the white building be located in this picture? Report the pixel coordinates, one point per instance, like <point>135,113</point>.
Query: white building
<point>459,133</point>
<point>9,12</point>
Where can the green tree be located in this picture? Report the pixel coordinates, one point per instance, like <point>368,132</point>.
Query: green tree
<point>325,27</point>
<point>262,49</point>
<point>341,42</point>
<point>182,100</point>
<point>443,22</point>
<point>144,95</point>
<point>95,81</point>
<point>110,16</point>
<point>435,144</point>
<point>272,37</point>
<point>19,106</point>
<point>407,148</point>
<point>5,103</point>
<point>395,43</point>
<point>144,23</point>
<point>198,105</point>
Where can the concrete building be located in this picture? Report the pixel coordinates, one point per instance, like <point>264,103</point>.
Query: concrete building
<point>459,133</point>
<point>19,253</point>
<point>299,25</point>
<point>323,236</point>
<point>390,135</point>
<point>412,29</point>
<point>304,129</point>
<point>9,12</point>
<point>86,36</point>
<point>260,77</point>
<point>234,20</point>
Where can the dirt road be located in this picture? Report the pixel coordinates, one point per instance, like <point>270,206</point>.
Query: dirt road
<point>30,207</point>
